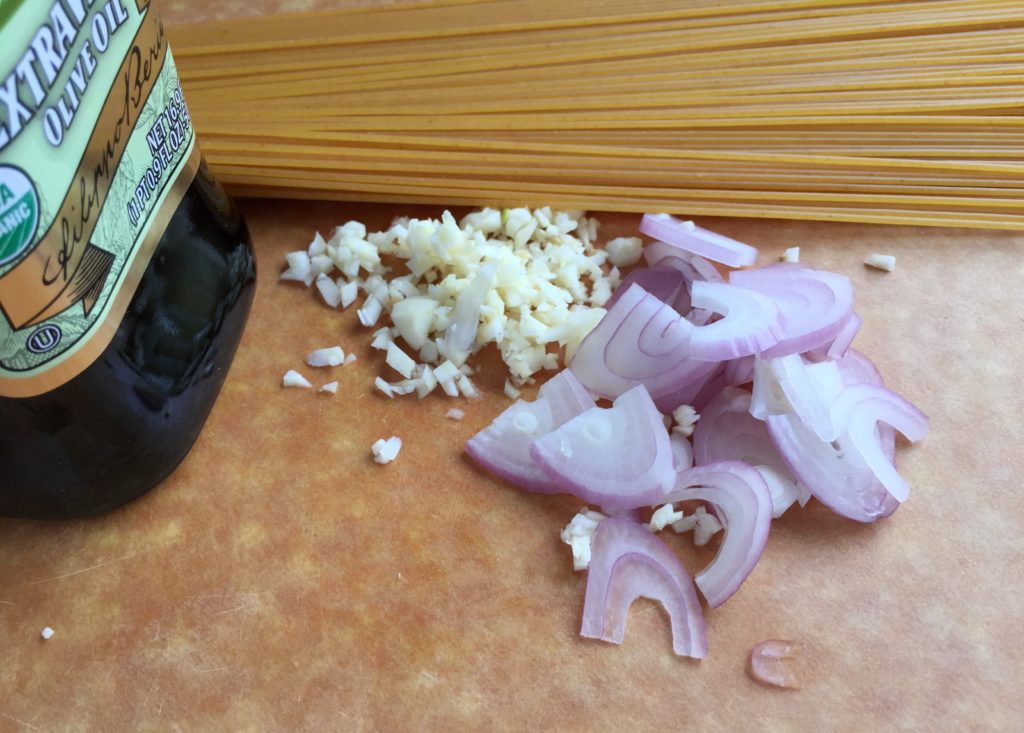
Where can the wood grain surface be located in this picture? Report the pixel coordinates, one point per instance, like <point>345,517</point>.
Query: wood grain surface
<point>282,581</point>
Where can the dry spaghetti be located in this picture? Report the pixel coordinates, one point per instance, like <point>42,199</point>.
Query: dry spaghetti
<point>891,112</point>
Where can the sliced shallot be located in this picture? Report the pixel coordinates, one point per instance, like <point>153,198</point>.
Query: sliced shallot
<point>714,384</point>
<point>819,422</point>
<point>728,432</point>
<point>833,471</point>
<point>641,340</point>
<point>865,415</point>
<point>752,323</point>
<point>841,343</point>
<point>740,371</point>
<point>784,489</point>
<point>694,390</point>
<point>617,458</point>
<point>665,284</point>
<point>857,368</point>
<point>503,447</point>
<point>815,305</point>
<point>682,451</point>
<point>700,381</point>
<point>855,414</point>
<point>827,379</point>
<point>628,562</point>
<point>692,267</point>
<point>743,502</point>
<point>771,664</point>
<point>691,238</point>
<point>784,385</point>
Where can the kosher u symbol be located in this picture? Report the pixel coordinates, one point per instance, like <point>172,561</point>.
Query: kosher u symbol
<point>44,339</point>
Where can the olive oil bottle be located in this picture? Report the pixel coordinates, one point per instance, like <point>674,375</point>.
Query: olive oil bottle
<point>126,275</point>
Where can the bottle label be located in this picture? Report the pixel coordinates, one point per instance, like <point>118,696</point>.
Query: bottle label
<point>96,152</point>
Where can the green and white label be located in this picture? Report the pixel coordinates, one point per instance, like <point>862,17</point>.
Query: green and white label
<point>19,213</point>
<point>96,150</point>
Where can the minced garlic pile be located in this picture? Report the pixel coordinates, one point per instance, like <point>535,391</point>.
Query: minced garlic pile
<point>527,280</point>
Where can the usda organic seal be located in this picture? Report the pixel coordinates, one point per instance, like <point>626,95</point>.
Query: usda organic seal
<point>19,213</point>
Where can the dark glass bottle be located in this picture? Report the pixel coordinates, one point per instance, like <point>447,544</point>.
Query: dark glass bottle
<point>122,425</point>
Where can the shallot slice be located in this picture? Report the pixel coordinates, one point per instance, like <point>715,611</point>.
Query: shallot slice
<point>682,451</point>
<point>856,412</point>
<point>689,237</point>
<point>628,562</point>
<point>663,283</point>
<point>743,503</point>
<point>728,432</point>
<point>641,340</point>
<point>503,447</point>
<point>751,323</point>
<point>692,267</point>
<point>784,385</point>
<point>771,664</point>
<point>815,305</point>
<point>841,343</point>
<point>617,458</point>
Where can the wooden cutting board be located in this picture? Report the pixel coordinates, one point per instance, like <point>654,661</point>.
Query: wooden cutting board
<point>280,580</point>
